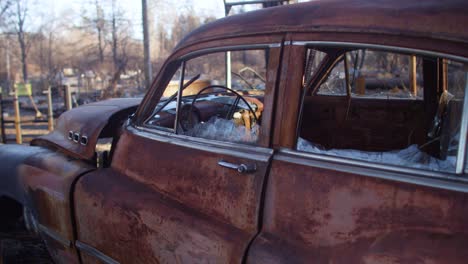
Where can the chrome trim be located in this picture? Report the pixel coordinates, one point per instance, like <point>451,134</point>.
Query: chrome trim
<point>241,168</point>
<point>200,52</point>
<point>388,172</point>
<point>249,2</point>
<point>379,46</point>
<point>463,132</point>
<point>228,69</point>
<point>76,137</point>
<point>225,148</point>
<point>165,129</point>
<point>95,253</point>
<point>84,140</point>
<point>54,235</point>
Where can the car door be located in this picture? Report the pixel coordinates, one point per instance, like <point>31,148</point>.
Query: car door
<point>358,206</point>
<point>172,195</point>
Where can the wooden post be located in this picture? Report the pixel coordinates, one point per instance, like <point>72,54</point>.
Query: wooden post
<point>19,136</point>
<point>4,139</point>
<point>444,75</point>
<point>50,110</point>
<point>412,73</point>
<point>361,85</point>
<point>68,100</point>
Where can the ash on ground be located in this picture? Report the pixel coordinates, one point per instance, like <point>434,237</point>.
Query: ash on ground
<point>17,245</point>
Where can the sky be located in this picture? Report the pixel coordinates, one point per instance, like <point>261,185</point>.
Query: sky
<point>163,11</point>
<point>47,9</point>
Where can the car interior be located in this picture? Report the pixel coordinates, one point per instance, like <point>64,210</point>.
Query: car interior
<point>210,108</point>
<point>360,108</point>
<point>374,105</point>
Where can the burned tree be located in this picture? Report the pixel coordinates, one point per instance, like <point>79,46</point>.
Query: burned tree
<point>18,16</point>
<point>120,27</point>
<point>99,23</point>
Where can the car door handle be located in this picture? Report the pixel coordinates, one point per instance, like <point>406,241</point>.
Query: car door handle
<point>242,168</point>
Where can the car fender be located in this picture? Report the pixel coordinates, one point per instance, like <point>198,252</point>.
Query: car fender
<point>11,157</point>
<point>79,129</point>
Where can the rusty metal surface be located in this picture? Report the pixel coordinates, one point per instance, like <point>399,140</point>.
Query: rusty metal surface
<point>88,120</point>
<point>326,216</point>
<point>11,156</point>
<point>384,42</point>
<point>193,177</point>
<point>171,203</point>
<point>151,227</point>
<point>174,204</point>
<point>287,111</point>
<point>430,19</point>
<point>47,180</point>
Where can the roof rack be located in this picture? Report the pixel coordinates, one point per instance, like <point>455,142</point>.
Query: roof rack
<point>265,4</point>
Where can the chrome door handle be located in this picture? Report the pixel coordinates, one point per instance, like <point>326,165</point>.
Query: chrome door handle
<point>242,168</point>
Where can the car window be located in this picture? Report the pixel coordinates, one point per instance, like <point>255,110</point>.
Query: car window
<point>228,103</point>
<point>375,75</point>
<point>164,114</point>
<point>335,83</point>
<point>384,75</point>
<point>314,60</point>
<point>222,97</point>
<point>409,133</point>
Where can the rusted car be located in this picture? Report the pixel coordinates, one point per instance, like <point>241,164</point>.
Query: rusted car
<point>320,132</point>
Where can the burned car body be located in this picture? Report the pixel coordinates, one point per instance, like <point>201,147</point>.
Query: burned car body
<point>345,143</point>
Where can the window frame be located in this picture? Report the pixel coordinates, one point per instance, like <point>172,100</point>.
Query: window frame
<point>179,63</point>
<point>461,167</point>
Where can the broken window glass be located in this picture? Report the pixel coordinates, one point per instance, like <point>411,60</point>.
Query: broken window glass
<point>314,59</point>
<point>384,75</point>
<point>226,101</point>
<point>335,84</point>
<point>391,131</point>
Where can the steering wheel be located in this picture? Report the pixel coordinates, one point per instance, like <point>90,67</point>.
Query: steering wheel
<point>189,116</point>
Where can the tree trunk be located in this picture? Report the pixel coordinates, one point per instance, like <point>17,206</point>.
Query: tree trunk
<point>111,90</point>
<point>101,51</point>
<point>146,45</point>
<point>49,55</point>
<point>99,27</point>
<point>114,37</point>
<point>24,61</point>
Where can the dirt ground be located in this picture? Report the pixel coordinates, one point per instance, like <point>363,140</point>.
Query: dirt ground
<point>18,246</point>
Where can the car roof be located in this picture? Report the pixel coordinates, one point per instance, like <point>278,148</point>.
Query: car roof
<point>434,19</point>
